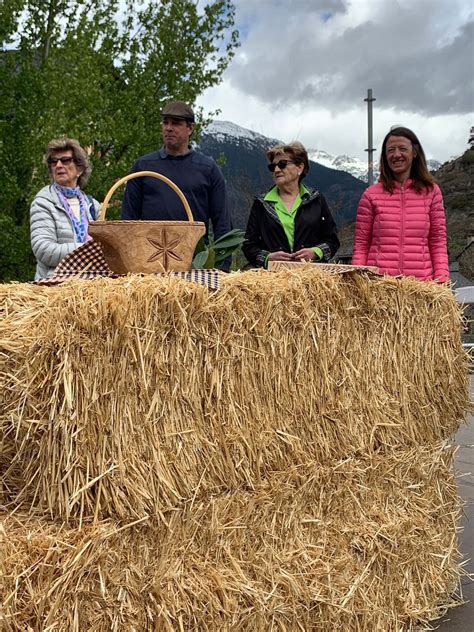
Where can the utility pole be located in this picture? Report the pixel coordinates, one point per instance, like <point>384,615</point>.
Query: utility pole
<point>370,149</point>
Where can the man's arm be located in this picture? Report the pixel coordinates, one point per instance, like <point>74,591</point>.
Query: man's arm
<point>219,212</point>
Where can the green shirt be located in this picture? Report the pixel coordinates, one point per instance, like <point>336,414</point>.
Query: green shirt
<point>287,217</point>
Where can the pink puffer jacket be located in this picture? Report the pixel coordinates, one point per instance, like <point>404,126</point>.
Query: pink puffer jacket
<point>403,232</point>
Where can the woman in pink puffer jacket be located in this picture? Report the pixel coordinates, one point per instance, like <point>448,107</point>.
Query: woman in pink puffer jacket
<point>401,223</point>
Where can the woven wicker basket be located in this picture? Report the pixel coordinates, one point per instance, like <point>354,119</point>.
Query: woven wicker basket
<point>147,246</point>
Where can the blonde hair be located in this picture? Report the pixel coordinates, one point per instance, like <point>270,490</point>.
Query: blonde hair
<point>295,150</point>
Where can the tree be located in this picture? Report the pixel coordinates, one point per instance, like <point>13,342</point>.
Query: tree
<point>101,73</point>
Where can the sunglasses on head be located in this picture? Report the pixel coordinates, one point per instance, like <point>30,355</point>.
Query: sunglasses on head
<point>66,160</point>
<point>281,164</point>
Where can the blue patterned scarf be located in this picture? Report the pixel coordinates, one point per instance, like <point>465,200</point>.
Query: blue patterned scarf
<point>80,225</point>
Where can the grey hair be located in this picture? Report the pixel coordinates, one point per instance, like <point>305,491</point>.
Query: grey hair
<point>78,153</point>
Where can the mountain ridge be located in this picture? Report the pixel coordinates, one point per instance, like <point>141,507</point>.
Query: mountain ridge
<point>341,162</point>
<point>241,155</point>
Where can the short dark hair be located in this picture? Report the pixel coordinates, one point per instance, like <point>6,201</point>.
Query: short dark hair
<point>297,152</point>
<point>78,153</point>
<point>419,172</point>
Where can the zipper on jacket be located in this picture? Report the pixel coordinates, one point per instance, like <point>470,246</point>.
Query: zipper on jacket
<point>402,232</point>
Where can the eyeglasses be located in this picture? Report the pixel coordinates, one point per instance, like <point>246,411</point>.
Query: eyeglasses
<point>281,164</point>
<point>66,160</point>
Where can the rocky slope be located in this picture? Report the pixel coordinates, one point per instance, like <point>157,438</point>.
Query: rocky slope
<point>456,179</point>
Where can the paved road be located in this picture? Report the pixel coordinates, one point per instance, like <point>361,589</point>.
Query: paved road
<point>462,619</point>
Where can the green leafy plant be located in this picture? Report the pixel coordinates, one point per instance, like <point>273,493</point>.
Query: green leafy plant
<point>215,252</point>
<point>17,262</point>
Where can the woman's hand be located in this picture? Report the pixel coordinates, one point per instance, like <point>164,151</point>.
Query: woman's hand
<point>305,254</point>
<point>280,255</point>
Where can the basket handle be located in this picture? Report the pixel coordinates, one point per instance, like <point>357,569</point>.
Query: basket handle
<point>139,174</point>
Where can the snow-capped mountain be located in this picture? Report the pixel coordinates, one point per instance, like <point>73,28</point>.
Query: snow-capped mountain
<point>354,166</point>
<point>225,131</point>
<point>434,165</point>
<point>222,130</point>
<point>241,154</point>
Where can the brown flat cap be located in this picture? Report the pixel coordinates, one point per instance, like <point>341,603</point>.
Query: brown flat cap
<point>179,110</point>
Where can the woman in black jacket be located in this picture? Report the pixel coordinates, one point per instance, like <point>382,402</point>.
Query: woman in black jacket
<point>291,222</point>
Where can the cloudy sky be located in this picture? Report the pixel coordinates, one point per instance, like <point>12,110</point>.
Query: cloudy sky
<point>304,66</point>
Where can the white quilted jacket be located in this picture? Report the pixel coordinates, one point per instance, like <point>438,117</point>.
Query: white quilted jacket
<point>52,233</point>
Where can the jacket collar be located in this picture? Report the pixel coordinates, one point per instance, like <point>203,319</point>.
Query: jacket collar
<point>269,206</point>
<point>164,154</point>
<point>408,183</point>
<point>308,196</point>
<point>50,194</point>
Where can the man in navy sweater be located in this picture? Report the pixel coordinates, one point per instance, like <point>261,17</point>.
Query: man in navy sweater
<point>197,175</point>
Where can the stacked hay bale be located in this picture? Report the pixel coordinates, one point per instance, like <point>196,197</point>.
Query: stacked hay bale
<point>273,455</point>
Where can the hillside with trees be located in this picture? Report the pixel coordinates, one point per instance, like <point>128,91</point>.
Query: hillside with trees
<point>456,179</point>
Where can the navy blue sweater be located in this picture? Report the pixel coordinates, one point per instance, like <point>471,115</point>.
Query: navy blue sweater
<point>198,177</point>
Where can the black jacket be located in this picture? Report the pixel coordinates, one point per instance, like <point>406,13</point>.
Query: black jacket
<point>314,226</point>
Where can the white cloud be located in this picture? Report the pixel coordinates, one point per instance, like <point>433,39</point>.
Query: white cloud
<point>305,65</point>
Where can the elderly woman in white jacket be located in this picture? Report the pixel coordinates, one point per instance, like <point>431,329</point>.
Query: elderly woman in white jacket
<point>60,212</point>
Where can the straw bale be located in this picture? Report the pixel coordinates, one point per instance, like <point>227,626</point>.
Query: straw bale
<point>121,398</point>
<point>272,456</point>
<point>366,544</point>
